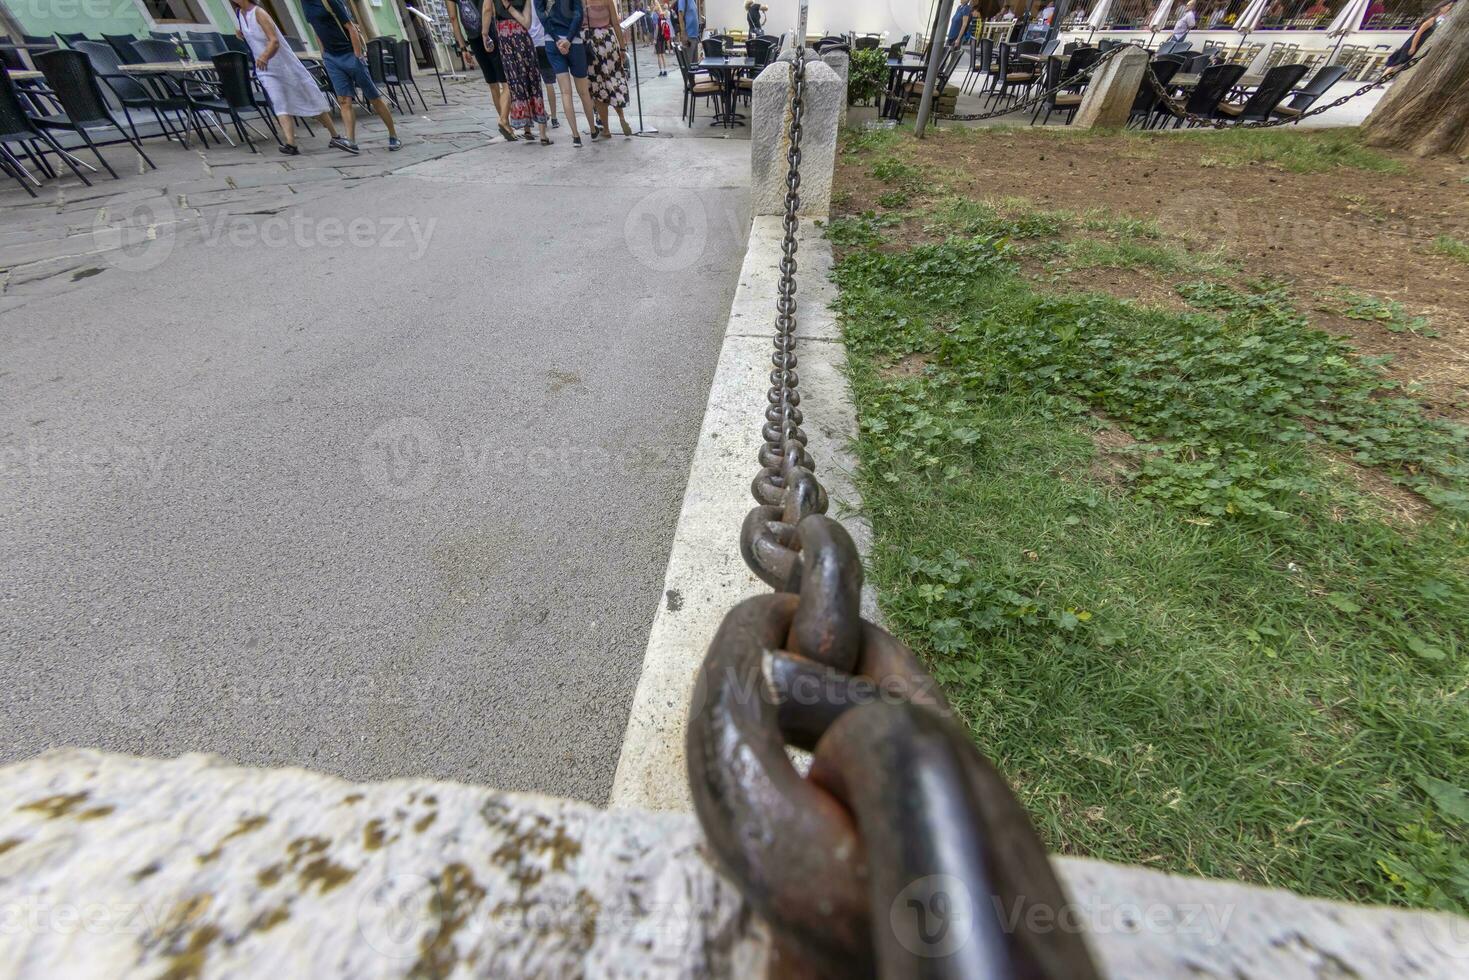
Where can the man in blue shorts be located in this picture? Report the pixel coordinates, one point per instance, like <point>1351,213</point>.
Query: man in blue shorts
<point>345,56</point>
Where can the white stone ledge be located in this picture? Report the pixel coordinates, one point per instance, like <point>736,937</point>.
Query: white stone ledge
<point>112,866</point>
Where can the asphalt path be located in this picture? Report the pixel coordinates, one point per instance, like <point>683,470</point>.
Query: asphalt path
<point>380,485</point>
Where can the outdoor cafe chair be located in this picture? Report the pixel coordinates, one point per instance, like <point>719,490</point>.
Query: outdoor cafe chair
<point>16,127</point>
<point>696,85</point>
<point>912,91</point>
<point>868,43</point>
<point>1194,64</point>
<point>130,92</point>
<point>123,45</point>
<point>1146,109</point>
<point>1049,48</point>
<point>982,65</point>
<point>382,66</point>
<point>295,43</point>
<point>156,51</point>
<point>1307,95</point>
<point>231,95</point>
<point>403,66</point>
<point>205,44</point>
<point>44,40</point>
<point>1273,89</point>
<point>1214,84</point>
<point>760,50</point>
<point>1008,77</point>
<point>84,109</point>
<point>712,47</point>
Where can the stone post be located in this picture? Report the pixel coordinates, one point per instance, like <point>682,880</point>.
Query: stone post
<point>1109,96</point>
<point>825,97</point>
<point>841,63</point>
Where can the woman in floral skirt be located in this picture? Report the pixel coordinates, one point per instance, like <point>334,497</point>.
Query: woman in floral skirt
<point>607,62</point>
<point>522,72</point>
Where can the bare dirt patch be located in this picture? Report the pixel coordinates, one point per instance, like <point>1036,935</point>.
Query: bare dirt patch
<point>1346,228</point>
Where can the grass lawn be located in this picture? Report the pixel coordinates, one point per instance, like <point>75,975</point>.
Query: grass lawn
<point>1194,572</point>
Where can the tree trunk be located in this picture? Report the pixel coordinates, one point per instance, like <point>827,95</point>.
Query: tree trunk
<point>1426,111</point>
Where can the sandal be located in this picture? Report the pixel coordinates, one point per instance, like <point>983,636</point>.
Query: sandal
<point>526,136</point>
<point>509,136</point>
<point>547,141</point>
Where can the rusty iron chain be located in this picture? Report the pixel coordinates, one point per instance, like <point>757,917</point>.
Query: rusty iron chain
<point>1035,100</point>
<point>902,852</point>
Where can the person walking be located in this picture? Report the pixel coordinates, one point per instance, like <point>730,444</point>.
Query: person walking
<point>522,73</point>
<point>693,29</point>
<point>474,30</point>
<point>567,50</point>
<point>344,55</point>
<point>755,16</point>
<point>1186,22</point>
<point>289,86</point>
<point>607,62</point>
<point>548,77</point>
<point>662,31</point>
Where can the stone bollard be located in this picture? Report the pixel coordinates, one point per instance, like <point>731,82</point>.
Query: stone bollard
<point>841,63</point>
<point>825,97</point>
<point>1108,99</point>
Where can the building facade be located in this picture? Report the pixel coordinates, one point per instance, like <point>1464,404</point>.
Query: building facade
<point>137,17</point>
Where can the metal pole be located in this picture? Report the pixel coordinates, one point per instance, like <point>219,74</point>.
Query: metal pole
<point>801,23</point>
<point>936,48</point>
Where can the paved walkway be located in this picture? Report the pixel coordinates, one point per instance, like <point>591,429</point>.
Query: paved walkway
<point>364,464</point>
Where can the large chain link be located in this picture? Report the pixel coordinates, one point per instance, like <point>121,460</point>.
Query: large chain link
<point>901,850</point>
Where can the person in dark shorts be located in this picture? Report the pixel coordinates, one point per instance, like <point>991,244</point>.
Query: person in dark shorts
<point>344,55</point>
<point>548,75</point>
<point>468,21</point>
<point>566,49</point>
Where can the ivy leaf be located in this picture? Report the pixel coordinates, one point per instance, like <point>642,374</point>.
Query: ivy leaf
<point>1450,800</point>
<point>1425,650</point>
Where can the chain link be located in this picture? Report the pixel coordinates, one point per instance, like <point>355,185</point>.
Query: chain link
<point>899,810</point>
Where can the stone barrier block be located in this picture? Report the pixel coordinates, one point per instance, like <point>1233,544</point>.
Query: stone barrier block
<point>1109,96</point>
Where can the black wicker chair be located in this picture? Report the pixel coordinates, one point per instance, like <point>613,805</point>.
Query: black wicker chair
<point>1307,95</point>
<point>1214,84</point>
<point>403,66</point>
<point>132,93</point>
<point>66,39</point>
<point>1008,76</point>
<point>381,65</point>
<point>1145,104</point>
<point>122,44</point>
<point>156,51</point>
<point>205,44</point>
<point>231,94</point>
<point>75,86</point>
<point>1273,89</point>
<point>16,127</point>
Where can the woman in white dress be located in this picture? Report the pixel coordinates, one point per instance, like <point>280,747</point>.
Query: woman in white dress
<point>292,90</point>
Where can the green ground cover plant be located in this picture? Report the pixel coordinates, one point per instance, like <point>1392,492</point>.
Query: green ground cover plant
<point>1145,551</point>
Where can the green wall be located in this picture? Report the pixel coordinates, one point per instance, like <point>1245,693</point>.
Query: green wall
<point>92,17</point>
<point>97,17</point>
